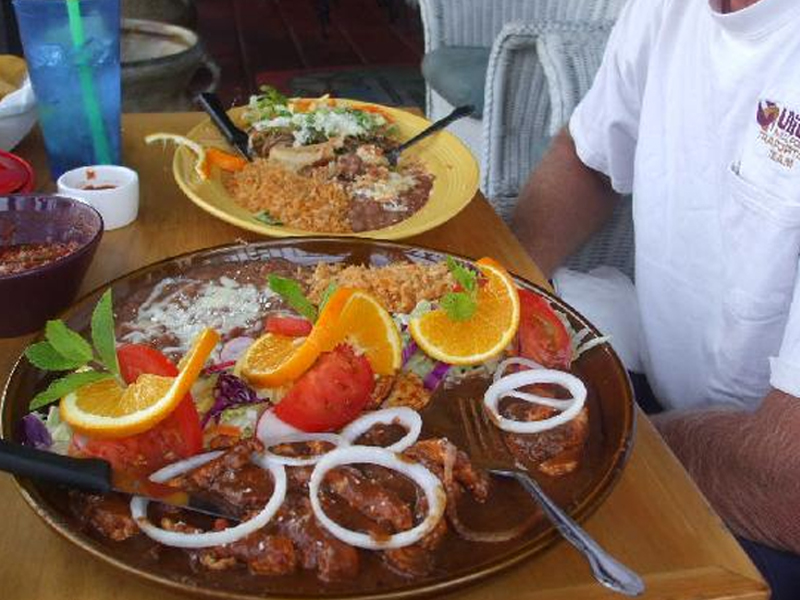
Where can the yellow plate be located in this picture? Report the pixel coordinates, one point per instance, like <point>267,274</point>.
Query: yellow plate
<point>451,163</point>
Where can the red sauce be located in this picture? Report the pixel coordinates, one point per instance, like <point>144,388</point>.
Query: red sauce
<point>102,186</point>
<point>21,257</point>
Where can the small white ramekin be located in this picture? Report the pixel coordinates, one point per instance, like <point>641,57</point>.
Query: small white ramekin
<point>118,205</point>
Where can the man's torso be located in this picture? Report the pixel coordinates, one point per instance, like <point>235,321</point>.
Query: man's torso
<point>708,333</point>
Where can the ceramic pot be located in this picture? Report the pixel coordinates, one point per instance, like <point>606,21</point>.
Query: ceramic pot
<point>159,61</point>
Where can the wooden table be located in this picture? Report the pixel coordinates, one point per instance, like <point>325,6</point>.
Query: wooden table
<point>655,520</point>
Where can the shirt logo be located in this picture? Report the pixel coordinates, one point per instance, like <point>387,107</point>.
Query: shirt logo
<point>780,131</point>
<point>767,113</point>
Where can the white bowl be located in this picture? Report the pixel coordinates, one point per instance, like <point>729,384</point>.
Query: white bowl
<point>112,190</point>
<point>17,115</point>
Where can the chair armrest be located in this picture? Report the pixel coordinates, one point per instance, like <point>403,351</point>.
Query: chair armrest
<point>570,63</point>
<point>516,111</point>
<point>530,92</point>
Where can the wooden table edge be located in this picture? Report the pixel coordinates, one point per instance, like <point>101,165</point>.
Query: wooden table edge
<point>702,583</point>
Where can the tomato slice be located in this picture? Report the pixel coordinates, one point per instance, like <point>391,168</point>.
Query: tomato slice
<point>288,326</point>
<point>136,359</point>
<point>542,335</point>
<point>330,394</point>
<point>176,437</point>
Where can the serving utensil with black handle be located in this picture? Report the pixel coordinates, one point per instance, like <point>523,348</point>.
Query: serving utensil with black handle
<point>95,475</point>
<point>393,156</point>
<point>235,136</point>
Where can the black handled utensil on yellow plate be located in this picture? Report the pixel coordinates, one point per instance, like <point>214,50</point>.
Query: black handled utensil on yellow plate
<point>95,475</point>
<point>235,136</point>
<point>393,156</point>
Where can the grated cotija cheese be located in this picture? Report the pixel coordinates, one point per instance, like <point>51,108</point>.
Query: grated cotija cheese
<point>183,312</point>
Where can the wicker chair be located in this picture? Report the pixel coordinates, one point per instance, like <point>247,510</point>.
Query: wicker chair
<point>543,55</point>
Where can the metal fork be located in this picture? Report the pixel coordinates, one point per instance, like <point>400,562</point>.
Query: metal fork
<point>488,450</point>
<point>393,156</point>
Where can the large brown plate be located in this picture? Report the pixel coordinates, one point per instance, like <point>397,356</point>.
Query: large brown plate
<point>611,416</point>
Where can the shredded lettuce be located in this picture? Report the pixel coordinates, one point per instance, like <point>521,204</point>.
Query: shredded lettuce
<point>60,432</point>
<point>203,393</point>
<point>420,364</point>
<point>459,373</point>
<point>269,104</point>
<point>271,110</point>
<point>245,418</point>
<point>422,307</point>
<point>580,340</point>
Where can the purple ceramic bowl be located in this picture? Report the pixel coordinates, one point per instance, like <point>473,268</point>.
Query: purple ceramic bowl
<point>29,298</point>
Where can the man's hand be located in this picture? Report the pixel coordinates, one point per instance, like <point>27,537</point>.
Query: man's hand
<point>747,465</point>
<point>561,206</point>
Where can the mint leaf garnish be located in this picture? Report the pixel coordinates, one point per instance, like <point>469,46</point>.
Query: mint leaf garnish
<point>459,306</point>
<point>292,293</point>
<point>43,356</point>
<point>65,350</point>
<point>103,333</point>
<point>61,387</point>
<point>67,343</point>
<point>466,278</point>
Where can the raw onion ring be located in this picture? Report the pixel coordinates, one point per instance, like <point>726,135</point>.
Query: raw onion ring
<point>407,417</point>
<point>430,484</point>
<point>233,349</point>
<point>297,438</point>
<point>210,538</point>
<point>531,364</point>
<point>270,427</point>
<point>507,386</point>
<point>502,367</point>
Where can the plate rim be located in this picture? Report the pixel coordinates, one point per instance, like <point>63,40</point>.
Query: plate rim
<point>579,511</point>
<point>471,175</point>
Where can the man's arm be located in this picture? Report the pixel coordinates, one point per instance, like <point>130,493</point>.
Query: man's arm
<point>747,464</point>
<point>563,203</point>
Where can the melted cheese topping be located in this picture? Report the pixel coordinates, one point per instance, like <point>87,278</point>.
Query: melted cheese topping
<point>384,190</point>
<point>180,308</point>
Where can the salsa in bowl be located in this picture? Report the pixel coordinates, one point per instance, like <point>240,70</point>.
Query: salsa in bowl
<point>47,243</point>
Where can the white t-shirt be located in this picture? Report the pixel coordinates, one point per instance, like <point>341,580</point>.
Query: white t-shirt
<point>697,114</point>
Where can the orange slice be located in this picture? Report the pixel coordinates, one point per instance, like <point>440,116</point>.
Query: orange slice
<point>274,360</point>
<point>224,160</point>
<point>369,328</point>
<point>481,337</point>
<point>106,409</point>
<point>350,316</point>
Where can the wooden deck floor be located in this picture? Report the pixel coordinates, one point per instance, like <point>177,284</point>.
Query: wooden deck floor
<point>286,43</point>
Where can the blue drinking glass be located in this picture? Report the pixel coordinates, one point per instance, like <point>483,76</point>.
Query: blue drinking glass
<point>72,51</point>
